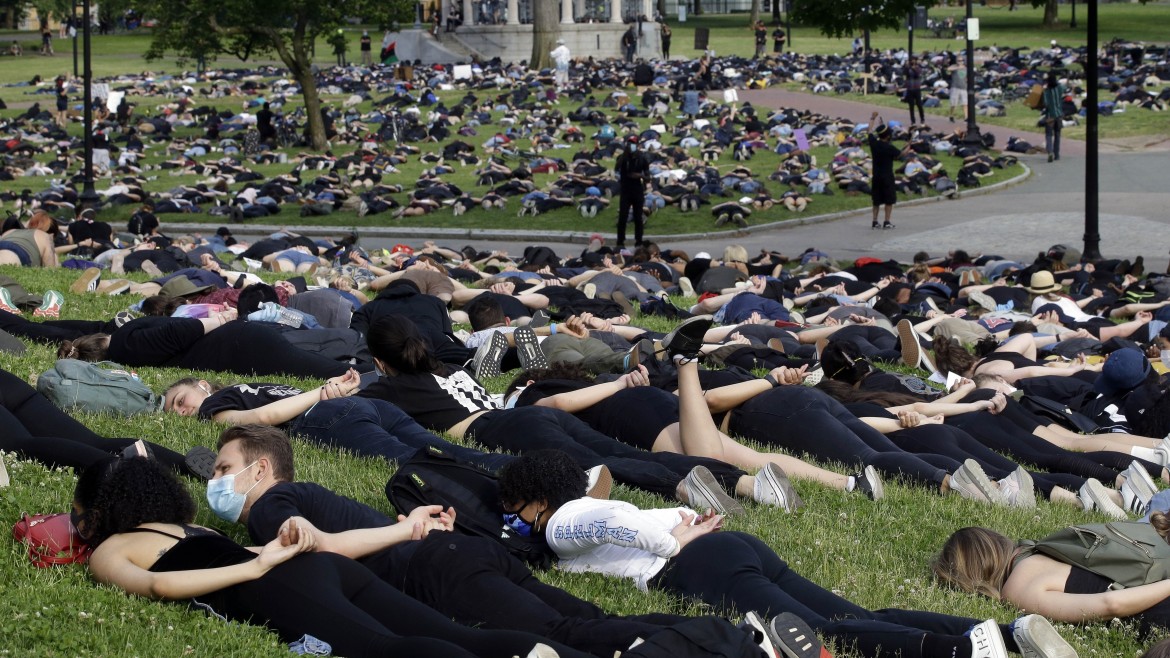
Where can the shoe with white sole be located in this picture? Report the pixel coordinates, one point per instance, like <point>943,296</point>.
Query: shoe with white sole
<point>87,282</point>
<point>1018,489</point>
<point>684,284</point>
<point>703,491</point>
<point>1095,496</point>
<point>50,305</point>
<point>772,487</point>
<point>6,303</point>
<point>599,482</point>
<point>987,640</point>
<point>970,482</point>
<point>1137,490</point>
<point>869,483</point>
<point>487,359</point>
<point>1036,638</point>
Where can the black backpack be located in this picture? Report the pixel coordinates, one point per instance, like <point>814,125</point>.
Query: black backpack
<point>433,477</point>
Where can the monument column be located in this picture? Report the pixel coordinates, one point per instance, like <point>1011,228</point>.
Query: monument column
<point>615,11</point>
<point>648,9</point>
<point>468,13</point>
<point>513,12</point>
<point>566,11</point>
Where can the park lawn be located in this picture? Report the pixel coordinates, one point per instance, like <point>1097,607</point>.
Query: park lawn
<point>873,553</point>
<point>665,222</point>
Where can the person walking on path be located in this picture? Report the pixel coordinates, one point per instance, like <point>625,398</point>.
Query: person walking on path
<point>1052,102</point>
<point>631,169</point>
<point>883,154</point>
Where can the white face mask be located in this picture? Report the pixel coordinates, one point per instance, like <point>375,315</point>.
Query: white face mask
<point>224,500</point>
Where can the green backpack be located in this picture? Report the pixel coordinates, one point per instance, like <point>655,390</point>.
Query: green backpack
<point>73,384</point>
<point>1129,553</point>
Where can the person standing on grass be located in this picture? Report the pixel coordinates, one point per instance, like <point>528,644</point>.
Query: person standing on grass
<point>883,154</point>
<point>367,58</point>
<point>666,35</point>
<point>46,41</point>
<point>761,33</point>
<point>779,38</point>
<point>1052,102</point>
<point>561,59</point>
<point>631,169</point>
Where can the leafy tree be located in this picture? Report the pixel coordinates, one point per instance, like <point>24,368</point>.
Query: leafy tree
<point>202,29</point>
<point>755,12</point>
<point>839,18</point>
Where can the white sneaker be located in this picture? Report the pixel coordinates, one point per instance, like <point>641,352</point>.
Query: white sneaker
<point>4,481</point>
<point>772,487</point>
<point>543,651</point>
<point>1094,495</point>
<point>987,640</point>
<point>684,284</point>
<point>1137,490</point>
<point>703,491</point>
<point>970,482</point>
<point>1017,489</point>
<point>760,630</point>
<point>1036,638</point>
<point>1163,450</point>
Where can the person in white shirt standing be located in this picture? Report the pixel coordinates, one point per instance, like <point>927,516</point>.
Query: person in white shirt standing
<point>561,59</point>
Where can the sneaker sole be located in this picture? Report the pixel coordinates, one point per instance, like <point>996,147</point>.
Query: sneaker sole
<point>1099,498</point>
<point>1142,483</point>
<point>975,485</point>
<point>669,338</point>
<point>85,283</point>
<point>489,365</point>
<point>201,461</point>
<point>603,487</point>
<point>528,349</point>
<point>702,479</point>
<point>871,475</point>
<point>794,637</point>
<point>1036,634</point>
<point>778,479</point>
<point>910,347</point>
<point>1027,496</point>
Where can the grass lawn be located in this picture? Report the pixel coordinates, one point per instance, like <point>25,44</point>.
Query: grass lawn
<point>873,553</point>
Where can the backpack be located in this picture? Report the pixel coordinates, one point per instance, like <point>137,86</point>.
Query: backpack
<point>701,637</point>
<point>51,539</point>
<point>1129,553</point>
<point>74,384</point>
<point>433,477</point>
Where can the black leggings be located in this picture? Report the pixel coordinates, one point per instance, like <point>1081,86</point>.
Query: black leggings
<point>803,419</point>
<point>737,571</point>
<point>873,342</point>
<point>475,581</point>
<point>530,428</point>
<point>52,331</point>
<point>341,602</point>
<point>958,444</point>
<point>36,429</point>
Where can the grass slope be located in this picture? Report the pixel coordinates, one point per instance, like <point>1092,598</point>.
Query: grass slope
<point>873,553</point>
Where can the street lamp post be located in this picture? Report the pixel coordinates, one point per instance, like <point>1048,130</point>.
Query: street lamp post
<point>972,135</point>
<point>88,195</point>
<point>1092,249</point>
<point>1073,21</point>
<point>910,34</point>
<point>74,22</point>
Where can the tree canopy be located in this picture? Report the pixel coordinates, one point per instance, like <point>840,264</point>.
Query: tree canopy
<point>203,29</point>
<point>841,18</point>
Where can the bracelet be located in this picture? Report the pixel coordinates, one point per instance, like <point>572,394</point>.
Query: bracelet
<point>771,380</point>
<point>552,329</point>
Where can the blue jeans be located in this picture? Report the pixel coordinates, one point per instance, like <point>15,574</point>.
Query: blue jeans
<point>376,428</point>
<point>1052,128</point>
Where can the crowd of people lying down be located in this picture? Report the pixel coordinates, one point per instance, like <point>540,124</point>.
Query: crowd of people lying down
<point>961,374</point>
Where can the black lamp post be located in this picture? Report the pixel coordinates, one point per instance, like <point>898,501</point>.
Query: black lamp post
<point>1073,21</point>
<point>73,19</point>
<point>1092,249</point>
<point>88,195</point>
<point>910,33</point>
<point>972,136</point>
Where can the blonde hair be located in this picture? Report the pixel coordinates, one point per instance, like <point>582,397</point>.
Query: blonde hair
<point>975,560</point>
<point>735,253</point>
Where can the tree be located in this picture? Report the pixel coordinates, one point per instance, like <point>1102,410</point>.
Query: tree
<point>755,12</point>
<point>202,29</point>
<point>839,18</point>
<point>545,22</point>
<point>1050,7</point>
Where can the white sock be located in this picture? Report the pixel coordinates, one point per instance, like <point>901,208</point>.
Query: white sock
<point>1148,454</point>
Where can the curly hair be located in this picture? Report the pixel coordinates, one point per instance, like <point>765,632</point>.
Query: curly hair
<point>560,370</point>
<point>541,475</point>
<point>115,495</point>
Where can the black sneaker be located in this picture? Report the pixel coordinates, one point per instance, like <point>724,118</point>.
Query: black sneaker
<point>687,338</point>
<point>792,637</point>
<point>869,483</point>
<point>201,462</point>
<point>528,349</point>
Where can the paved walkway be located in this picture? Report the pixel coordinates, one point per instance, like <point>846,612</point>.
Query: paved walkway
<point>1017,222</point>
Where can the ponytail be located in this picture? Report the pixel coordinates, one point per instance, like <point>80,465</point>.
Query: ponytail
<point>396,341</point>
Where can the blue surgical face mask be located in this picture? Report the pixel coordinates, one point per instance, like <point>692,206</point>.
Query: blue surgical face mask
<point>633,148</point>
<point>224,500</point>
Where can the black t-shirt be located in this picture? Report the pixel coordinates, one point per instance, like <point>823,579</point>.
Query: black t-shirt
<point>869,410</point>
<point>142,222</point>
<point>779,36</point>
<point>761,37</point>
<point>154,341</point>
<point>365,42</point>
<point>437,402</point>
<point>884,156</point>
<point>629,164</point>
<point>243,397</point>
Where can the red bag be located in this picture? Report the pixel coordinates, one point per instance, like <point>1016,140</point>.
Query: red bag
<point>51,539</point>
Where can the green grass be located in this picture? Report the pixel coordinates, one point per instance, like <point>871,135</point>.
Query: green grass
<point>872,553</point>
